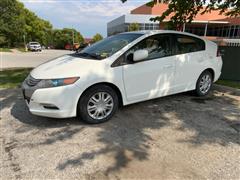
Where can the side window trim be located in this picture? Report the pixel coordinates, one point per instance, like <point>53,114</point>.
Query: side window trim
<point>121,61</point>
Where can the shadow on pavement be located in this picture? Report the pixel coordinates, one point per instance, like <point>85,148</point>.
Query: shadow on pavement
<point>213,119</point>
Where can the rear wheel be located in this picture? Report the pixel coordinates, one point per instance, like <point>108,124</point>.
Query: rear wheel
<point>98,104</point>
<point>204,83</point>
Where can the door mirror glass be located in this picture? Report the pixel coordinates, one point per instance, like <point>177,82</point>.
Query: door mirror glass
<point>140,55</point>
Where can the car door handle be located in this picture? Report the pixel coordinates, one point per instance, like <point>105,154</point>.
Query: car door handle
<point>200,60</point>
<point>167,66</point>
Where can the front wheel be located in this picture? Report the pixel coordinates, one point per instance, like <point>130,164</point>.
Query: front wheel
<point>98,104</point>
<point>204,83</point>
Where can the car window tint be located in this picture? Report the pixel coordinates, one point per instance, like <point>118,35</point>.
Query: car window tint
<point>157,46</point>
<point>187,44</point>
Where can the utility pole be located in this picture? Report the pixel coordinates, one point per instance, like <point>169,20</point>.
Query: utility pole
<point>24,40</point>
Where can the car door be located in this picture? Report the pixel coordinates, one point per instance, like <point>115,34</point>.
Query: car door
<point>153,76</point>
<point>190,58</point>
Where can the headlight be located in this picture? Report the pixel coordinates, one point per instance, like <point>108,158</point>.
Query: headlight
<point>46,83</point>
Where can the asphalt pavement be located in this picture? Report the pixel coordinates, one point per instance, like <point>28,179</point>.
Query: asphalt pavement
<point>28,59</point>
<point>174,137</point>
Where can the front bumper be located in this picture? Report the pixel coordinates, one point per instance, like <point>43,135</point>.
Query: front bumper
<point>64,99</point>
<point>35,48</point>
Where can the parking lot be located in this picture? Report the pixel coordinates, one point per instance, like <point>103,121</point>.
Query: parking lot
<point>28,59</point>
<point>175,137</point>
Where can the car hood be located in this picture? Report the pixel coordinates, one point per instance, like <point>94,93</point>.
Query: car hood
<point>67,66</point>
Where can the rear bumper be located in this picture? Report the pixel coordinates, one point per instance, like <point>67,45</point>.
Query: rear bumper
<point>218,68</point>
<point>217,76</point>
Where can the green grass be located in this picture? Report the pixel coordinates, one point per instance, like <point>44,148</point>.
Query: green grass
<point>13,78</point>
<point>5,50</point>
<point>233,84</point>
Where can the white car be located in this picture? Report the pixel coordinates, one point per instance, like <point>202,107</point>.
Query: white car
<point>34,46</point>
<point>120,70</point>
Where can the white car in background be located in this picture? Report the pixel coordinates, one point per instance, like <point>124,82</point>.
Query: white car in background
<point>120,70</point>
<point>34,46</point>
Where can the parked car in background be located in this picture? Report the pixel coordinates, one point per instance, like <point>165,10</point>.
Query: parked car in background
<point>68,46</point>
<point>120,70</point>
<point>34,46</point>
<point>50,47</point>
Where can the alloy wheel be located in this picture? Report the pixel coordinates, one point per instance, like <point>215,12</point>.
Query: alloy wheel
<point>205,83</point>
<point>100,105</point>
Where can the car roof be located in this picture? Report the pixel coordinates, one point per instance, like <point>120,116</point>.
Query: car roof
<point>152,32</point>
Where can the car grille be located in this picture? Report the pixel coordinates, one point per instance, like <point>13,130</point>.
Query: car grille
<point>32,81</point>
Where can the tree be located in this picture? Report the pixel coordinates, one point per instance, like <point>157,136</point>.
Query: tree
<point>11,21</point>
<point>78,37</point>
<point>97,37</point>
<point>36,29</point>
<point>16,21</point>
<point>61,37</point>
<point>134,27</point>
<point>183,11</point>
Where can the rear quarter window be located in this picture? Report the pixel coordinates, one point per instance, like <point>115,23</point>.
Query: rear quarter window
<point>188,44</point>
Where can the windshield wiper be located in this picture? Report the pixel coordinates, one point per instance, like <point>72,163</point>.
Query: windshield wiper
<point>84,54</point>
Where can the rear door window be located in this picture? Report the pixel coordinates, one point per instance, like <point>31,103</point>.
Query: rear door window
<point>188,44</point>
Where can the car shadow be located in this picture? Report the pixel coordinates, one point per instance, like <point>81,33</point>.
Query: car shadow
<point>214,119</point>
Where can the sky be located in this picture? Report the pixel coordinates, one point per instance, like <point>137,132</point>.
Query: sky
<point>88,17</point>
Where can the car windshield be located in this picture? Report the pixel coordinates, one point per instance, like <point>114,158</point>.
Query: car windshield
<point>108,46</point>
<point>34,43</point>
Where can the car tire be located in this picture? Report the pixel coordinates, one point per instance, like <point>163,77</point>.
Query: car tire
<point>98,104</point>
<point>204,83</point>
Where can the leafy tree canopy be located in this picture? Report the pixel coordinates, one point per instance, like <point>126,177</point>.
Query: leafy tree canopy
<point>97,37</point>
<point>16,22</point>
<point>61,37</point>
<point>185,10</point>
<point>11,21</point>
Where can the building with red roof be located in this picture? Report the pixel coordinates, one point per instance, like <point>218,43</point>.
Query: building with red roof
<point>212,24</point>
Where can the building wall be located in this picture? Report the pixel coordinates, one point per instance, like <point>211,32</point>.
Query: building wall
<point>116,26</point>
<point>159,8</point>
<point>214,30</point>
<point>217,25</point>
<point>117,21</point>
<point>122,23</point>
<point>233,20</point>
<point>162,26</point>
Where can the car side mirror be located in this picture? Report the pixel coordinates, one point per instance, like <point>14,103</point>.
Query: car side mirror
<point>140,55</point>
